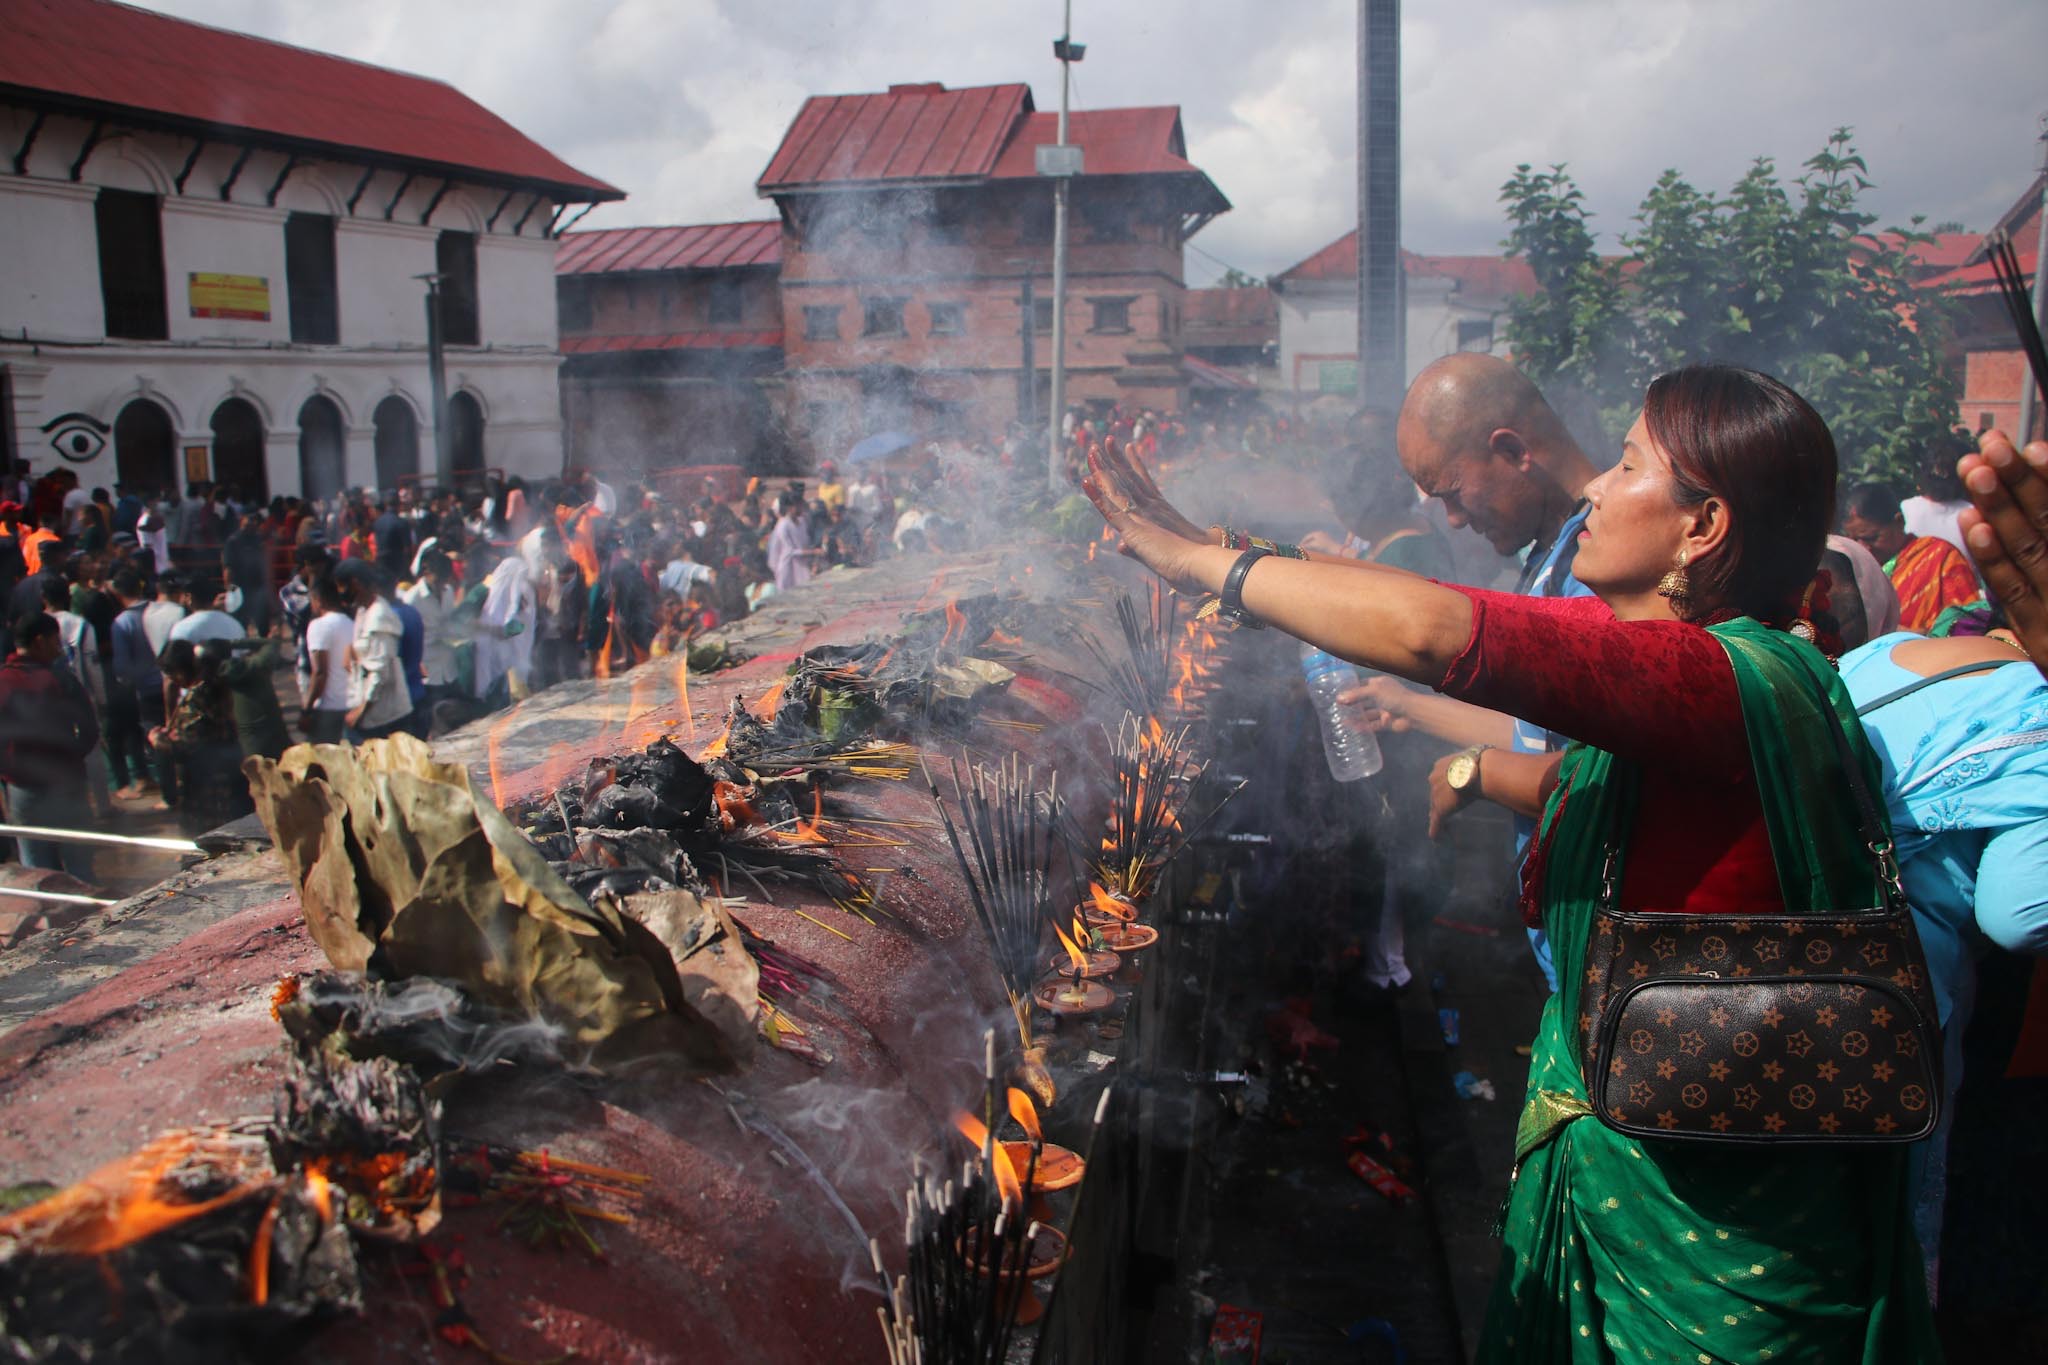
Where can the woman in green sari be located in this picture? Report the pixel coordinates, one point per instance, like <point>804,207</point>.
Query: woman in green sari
<point>1701,736</point>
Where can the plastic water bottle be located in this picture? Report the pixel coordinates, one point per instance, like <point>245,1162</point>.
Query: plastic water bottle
<point>1352,754</point>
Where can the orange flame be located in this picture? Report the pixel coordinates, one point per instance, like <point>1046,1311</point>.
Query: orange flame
<point>493,742</point>
<point>1109,904</point>
<point>808,831</point>
<point>637,705</point>
<point>121,1203</point>
<point>1005,1170</point>
<point>321,1191</point>
<point>683,691</point>
<point>1074,953</point>
<point>603,667</point>
<point>956,623</point>
<point>578,540</point>
<point>770,700</point>
<point>1026,1114</point>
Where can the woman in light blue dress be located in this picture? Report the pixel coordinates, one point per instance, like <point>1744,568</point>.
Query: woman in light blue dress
<point>1961,726</point>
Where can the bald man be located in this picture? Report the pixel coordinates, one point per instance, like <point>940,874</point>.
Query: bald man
<point>1475,433</point>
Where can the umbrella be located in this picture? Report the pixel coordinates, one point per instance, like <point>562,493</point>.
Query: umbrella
<point>877,447</point>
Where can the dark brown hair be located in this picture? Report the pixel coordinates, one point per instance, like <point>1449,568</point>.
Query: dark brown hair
<point>1750,441</point>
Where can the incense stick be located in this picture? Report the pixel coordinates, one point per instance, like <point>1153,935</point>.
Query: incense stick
<point>2012,287</point>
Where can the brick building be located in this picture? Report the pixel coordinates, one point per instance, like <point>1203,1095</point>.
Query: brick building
<point>213,252</point>
<point>913,225</point>
<point>671,346</point>
<point>1994,368</point>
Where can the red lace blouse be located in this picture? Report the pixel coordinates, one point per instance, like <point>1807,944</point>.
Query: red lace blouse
<point>1660,694</point>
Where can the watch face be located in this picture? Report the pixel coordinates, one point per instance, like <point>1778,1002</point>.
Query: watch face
<point>1463,769</point>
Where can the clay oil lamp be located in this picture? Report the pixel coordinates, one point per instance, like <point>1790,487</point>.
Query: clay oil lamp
<point>1043,1248</point>
<point>1072,993</point>
<point>1106,908</point>
<point>1096,962</point>
<point>1127,938</point>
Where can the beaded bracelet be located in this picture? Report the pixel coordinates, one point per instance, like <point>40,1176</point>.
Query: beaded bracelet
<point>1234,539</point>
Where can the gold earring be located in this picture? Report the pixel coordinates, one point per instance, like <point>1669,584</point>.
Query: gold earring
<point>1677,585</point>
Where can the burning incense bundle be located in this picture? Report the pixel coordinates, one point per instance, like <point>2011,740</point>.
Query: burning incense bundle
<point>1005,858</point>
<point>1152,773</point>
<point>1142,679</point>
<point>2012,287</point>
<point>971,1249</point>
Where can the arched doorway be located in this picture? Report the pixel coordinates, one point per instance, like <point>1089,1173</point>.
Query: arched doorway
<point>465,434</point>
<point>398,442</point>
<point>238,462</point>
<point>145,454</point>
<point>322,449</point>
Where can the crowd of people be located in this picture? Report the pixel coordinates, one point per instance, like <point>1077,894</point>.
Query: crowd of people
<point>146,639</point>
<point>1634,694</point>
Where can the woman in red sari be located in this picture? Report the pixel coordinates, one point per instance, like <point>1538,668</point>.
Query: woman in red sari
<point>1675,682</point>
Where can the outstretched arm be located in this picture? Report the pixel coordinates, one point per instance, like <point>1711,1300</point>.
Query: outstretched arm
<point>1405,625</point>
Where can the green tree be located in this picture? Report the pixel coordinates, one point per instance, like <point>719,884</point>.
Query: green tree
<point>1233,278</point>
<point>1788,279</point>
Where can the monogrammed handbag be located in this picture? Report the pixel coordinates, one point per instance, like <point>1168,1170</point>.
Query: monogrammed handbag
<point>1816,1028</point>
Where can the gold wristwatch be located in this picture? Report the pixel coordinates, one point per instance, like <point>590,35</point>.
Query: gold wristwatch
<point>1463,774</point>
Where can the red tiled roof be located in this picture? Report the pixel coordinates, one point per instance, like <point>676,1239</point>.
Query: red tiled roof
<point>1337,261</point>
<point>927,133</point>
<point>97,57</point>
<point>1480,276</point>
<point>697,246</point>
<point>671,341</point>
<point>1112,142</point>
<point>1975,279</point>
<point>911,133</point>
<point>1948,250</point>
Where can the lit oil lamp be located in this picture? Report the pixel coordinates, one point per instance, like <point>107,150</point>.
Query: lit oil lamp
<point>1044,1247</point>
<point>1106,908</point>
<point>1072,993</point>
<point>1095,961</point>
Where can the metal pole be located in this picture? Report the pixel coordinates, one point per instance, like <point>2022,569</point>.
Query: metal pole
<point>2026,430</point>
<point>1027,385</point>
<point>1055,468</point>
<point>1382,362</point>
<point>437,384</point>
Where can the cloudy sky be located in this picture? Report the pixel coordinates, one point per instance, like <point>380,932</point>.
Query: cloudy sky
<point>681,102</point>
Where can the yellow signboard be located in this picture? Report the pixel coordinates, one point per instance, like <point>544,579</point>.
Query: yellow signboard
<point>245,297</point>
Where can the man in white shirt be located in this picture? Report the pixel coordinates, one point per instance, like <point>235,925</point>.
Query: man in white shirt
<point>203,620</point>
<point>162,614</point>
<point>433,596</point>
<point>324,705</point>
<point>150,531</point>
<point>864,499</point>
<point>76,500</point>
<point>378,699</point>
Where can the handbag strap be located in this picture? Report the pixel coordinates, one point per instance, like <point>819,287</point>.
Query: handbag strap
<point>1870,821</point>
<point>1981,666</point>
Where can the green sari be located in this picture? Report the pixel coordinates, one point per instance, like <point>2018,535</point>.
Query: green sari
<point>1621,1249</point>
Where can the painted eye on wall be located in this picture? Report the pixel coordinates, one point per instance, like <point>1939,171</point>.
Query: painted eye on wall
<point>78,436</point>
